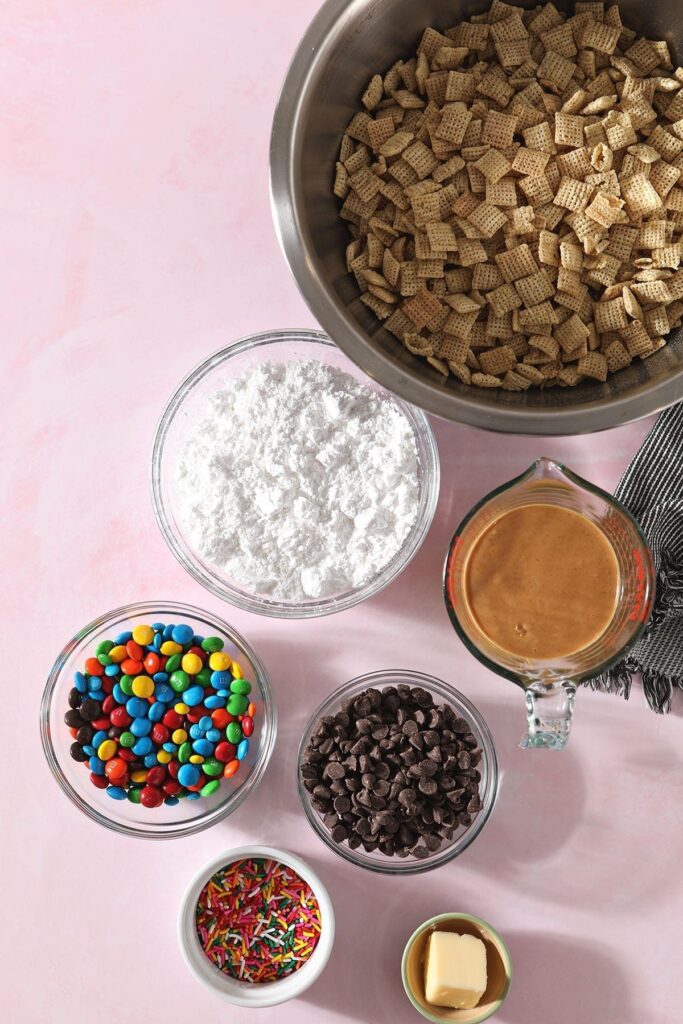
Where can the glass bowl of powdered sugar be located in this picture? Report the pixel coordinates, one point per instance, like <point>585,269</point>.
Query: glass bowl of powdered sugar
<point>288,483</point>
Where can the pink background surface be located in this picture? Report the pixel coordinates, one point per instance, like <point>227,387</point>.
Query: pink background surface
<point>137,239</point>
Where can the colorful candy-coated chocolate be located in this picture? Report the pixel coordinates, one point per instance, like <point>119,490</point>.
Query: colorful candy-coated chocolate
<point>148,715</point>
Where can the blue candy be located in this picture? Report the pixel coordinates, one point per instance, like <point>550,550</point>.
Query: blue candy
<point>171,801</point>
<point>116,792</point>
<point>158,627</point>
<point>150,760</point>
<point>242,749</point>
<point>158,641</point>
<point>123,638</point>
<point>99,737</point>
<point>182,634</point>
<point>193,695</point>
<point>170,747</point>
<point>193,796</point>
<point>112,670</point>
<point>213,734</point>
<point>164,693</point>
<point>214,701</point>
<point>203,747</point>
<point>219,680</point>
<point>160,677</point>
<point>168,631</point>
<point>141,727</point>
<point>197,641</point>
<point>137,707</point>
<point>80,682</point>
<point>97,695</point>
<point>224,693</point>
<point>156,712</point>
<point>90,751</point>
<point>96,765</point>
<point>118,694</point>
<point>188,775</point>
<point>94,683</point>
<point>143,746</point>
<point>205,723</point>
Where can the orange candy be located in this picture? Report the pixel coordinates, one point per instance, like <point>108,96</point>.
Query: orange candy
<point>220,718</point>
<point>115,768</point>
<point>130,667</point>
<point>230,769</point>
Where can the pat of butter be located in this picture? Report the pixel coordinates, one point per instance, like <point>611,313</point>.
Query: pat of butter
<point>455,970</point>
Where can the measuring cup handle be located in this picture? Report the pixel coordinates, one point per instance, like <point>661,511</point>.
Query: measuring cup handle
<point>549,715</point>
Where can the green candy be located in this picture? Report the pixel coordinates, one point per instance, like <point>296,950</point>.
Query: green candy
<point>185,751</point>
<point>134,794</point>
<point>126,684</point>
<point>126,739</point>
<point>240,686</point>
<point>203,677</point>
<point>179,681</point>
<point>173,663</point>
<point>104,647</point>
<point>104,659</point>
<point>212,767</point>
<point>213,644</point>
<point>237,704</point>
<point>233,732</point>
<point>210,787</point>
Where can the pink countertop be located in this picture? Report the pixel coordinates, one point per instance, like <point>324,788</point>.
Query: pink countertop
<point>137,238</point>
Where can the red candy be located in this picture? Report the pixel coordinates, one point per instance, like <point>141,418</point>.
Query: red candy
<point>225,752</point>
<point>172,720</point>
<point>150,796</point>
<point>120,717</point>
<point>160,734</point>
<point>247,725</point>
<point>156,775</point>
<point>220,718</point>
<point>131,667</point>
<point>101,723</point>
<point>151,663</point>
<point>171,787</point>
<point>93,667</point>
<point>126,754</point>
<point>134,651</point>
<point>173,768</point>
<point>108,704</point>
<point>101,781</point>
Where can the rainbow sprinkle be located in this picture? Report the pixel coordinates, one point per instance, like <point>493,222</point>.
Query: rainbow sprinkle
<point>257,920</point>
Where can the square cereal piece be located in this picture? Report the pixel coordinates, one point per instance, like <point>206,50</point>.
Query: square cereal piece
<point>486,277</point>
<point>667,145</point>
<point>431,42</point>
<point>498,360</point>
<point>493,165</point>
<point>603,38</point>
<point>441,237</point>
<point>471,251</point>
<point>504,299</point>
<point>575,163</point>
<point>619,136</point>
<point>593,365</point>
<point>569,130</point>
<point>512,53</point>
<point>617,356</point>
<point>636,339</point>
<point>365,184</point>
<point>495,88</point>
<point>448,169</point>
<point>421,159</point>
<point>622,238</point>
<point>460,324</point>
<point>571,334</point>
<point>656,322</point>
<point>535,288</point>
<point>539,138</point>
<point>459,87</point>
<point>561,40</point>
<point>643,55</point>
<point>555,72</point>
<point>426,208</point>
<point>485,380</point>
<point>572,194</point>
<point>537,190</point>
<point>487,219</point>
<point>663,177</point>
<point>422,309</point>
<point>549,248</point>
<point>455,120</point>
<point>452,348</point>
<point>516,263</point>
<point>513,381</point>
<point>536,316</point>
<point>610,316</point>
<point>502,193</point>
<point>380,131</point>
<point>569,281</point>
<point>396,143</point>
<point>499,129</point>
<point>640,197</point>
<point>530,162</point>
<point>606,210</point>
<point>649,292</point>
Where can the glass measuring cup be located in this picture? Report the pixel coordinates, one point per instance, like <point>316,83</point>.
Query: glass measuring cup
<point>550,685</point>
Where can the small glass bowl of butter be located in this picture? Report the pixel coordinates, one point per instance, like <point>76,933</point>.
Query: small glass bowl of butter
<point>462,962</point>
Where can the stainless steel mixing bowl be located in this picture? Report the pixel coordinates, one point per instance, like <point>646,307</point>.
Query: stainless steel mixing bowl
<point>348,41</point>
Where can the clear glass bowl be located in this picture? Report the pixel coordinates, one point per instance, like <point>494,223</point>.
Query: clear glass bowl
<point>488,767</point>
<point>162,822</point>
<point>188,405</point>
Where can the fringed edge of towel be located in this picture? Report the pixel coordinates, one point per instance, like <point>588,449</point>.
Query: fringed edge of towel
<point>658,687</point>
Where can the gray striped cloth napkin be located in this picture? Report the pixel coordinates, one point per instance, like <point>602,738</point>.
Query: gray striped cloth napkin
<point>652,491</point>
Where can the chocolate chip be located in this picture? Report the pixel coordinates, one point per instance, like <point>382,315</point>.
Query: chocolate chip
<point>342,804</point>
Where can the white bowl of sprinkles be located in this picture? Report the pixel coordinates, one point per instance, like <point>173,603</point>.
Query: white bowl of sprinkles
<point>245,992</point>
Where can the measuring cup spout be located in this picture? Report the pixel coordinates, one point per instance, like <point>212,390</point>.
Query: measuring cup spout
<point>550,710</point>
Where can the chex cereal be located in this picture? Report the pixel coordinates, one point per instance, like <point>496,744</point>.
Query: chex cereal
<point>514,195</point>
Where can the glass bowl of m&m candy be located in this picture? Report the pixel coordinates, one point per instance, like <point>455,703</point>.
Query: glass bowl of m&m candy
<point>158,720</point>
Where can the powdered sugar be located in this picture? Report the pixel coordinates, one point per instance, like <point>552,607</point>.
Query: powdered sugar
<point>300,482</point>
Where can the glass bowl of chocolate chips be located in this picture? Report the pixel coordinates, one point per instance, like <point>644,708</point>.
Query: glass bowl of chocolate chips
<point>397,772</point>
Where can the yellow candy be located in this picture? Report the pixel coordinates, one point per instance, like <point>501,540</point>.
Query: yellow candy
<point>139,776</point>
<point>106,749</point>
<point>163,756</point>
<point>143,686</point>
<point>169,647</point>
<point>219,661</point>
<point>181,708</point>
<point>143,635</point>
<point>192,664</point>
<point>179,736</point>
<point>237,670</point>
<point>195,759</point>
<point>118,654</point>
